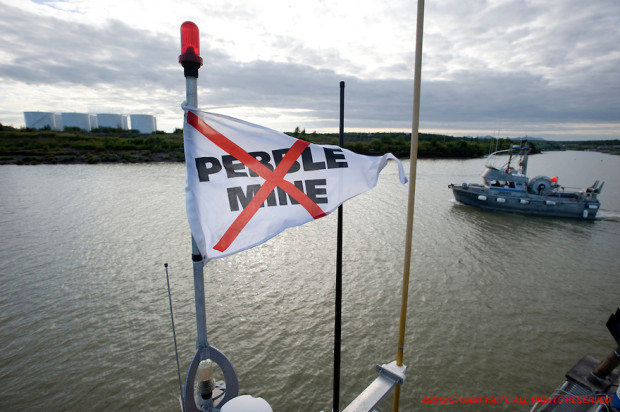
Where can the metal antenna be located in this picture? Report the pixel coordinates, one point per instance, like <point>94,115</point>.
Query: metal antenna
<point>174,336</point>
<point>338,303</point>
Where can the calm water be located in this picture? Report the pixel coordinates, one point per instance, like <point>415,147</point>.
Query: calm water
<point>500,304</point>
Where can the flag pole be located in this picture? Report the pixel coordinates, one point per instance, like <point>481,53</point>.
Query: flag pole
<point>191,98</point>
<point>338,309</point>
<point>191,94</point>
<point>191,62</point>
<point>411,199</point>
<point>196,399</point>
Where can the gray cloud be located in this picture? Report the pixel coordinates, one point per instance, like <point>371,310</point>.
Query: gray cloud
<point>514,62</point>
<point>49,50</point>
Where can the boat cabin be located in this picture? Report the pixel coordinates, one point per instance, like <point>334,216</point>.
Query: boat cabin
<point>499,179</point>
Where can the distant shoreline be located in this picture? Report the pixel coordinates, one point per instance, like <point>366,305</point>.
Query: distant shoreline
<point>32,147</point>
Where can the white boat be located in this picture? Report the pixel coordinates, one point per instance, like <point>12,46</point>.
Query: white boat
<point>507,188</point>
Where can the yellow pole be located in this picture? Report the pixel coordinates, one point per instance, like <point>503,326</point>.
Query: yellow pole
<point>411,202</point>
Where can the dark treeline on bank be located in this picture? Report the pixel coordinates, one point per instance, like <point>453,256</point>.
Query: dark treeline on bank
<point>29,146</point>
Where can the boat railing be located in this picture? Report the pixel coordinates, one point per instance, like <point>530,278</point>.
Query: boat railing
<point>575,189</point>
<point>494,159</point>
<point>503,160</point>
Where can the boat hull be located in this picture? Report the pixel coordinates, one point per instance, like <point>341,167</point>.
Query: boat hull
<point>560,205</point>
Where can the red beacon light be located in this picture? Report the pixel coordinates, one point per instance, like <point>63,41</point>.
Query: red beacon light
<point>190,49</point>
<point>554,179</point>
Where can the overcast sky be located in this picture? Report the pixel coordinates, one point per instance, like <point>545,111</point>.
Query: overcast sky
<point>545,68</point>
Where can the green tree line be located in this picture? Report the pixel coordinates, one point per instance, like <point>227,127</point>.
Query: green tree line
<point>29,146</point>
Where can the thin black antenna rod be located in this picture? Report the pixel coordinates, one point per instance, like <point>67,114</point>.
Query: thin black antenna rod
<point>338,314</point>
<point>174,335</point>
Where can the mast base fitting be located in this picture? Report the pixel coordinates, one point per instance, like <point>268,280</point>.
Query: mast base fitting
<point>581,373</point>
<point>190,69</point>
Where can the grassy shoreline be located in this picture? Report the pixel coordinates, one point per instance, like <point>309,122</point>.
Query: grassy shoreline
<point>27,146</point>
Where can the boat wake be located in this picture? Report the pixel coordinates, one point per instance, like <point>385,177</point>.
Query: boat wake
<point>608,216</point>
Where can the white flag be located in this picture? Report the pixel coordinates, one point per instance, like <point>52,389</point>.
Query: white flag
<point>247,183</point>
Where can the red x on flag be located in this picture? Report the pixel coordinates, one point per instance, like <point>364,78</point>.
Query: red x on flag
<point>237,194</point>
<point>272,178</point>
